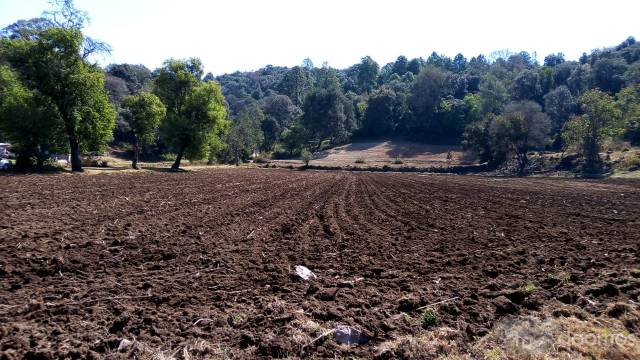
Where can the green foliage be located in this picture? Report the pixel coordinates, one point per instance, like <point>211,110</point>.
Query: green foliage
<point>306,156</point>
<point>326,116</point>
<point>383,111</point>
<point>244,137</point>
<point>559,104</point>
<point>53,66</point>
<point>368,71</point>
<point>429,318</point>
<point>28,121</point>
<point>296,83</point>
<point>143,113</point>
<point>426,92</point>
<point>196,112</point>
<point>628,103</point>
<point>601,119</point>
<point>293,138</point>
<point>521,127</point>
<point>493,94</point>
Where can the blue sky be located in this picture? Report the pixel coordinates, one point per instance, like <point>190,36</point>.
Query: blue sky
<point>231,35</point>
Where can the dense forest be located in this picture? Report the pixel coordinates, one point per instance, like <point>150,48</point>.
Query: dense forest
<point>498,107</point>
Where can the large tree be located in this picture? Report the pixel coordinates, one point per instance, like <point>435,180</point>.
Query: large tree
<point>367,74</point>
<point>53,65</point>
<point>28,121</point>
<point>325,117</point>
<point>143,113</point>
<point>425,94</point>
<point>195,109</point>
<point>521,127</point>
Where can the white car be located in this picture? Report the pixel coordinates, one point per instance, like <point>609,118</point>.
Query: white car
<point>5,164</point>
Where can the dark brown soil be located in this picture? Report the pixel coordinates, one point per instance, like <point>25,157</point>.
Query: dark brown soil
<point>87,261</point>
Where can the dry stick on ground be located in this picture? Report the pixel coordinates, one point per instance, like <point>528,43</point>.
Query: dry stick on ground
<point>438,303</point>
<point>199,320</point>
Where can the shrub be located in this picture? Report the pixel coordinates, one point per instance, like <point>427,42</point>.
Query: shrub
<point>397,161</point>
<point>169,156</point>
<point>306,157</point>
<point>360,160</point>
<point>429,318</point>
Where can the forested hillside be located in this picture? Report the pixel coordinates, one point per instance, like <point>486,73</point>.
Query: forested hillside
<point>499,107</point>
<point>479,102</point>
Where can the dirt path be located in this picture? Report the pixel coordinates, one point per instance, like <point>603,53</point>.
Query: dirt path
<point>89,260</point>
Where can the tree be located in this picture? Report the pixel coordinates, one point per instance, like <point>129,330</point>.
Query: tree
<point>324,116</point>
<point>426,92</point>
<point>136,77</point>
<point>559,104</point>
<point>526,86</point>
<point>293,138</point>
<point>383,113</point>
<point>580,80</point>
<point>245,135</point>
<point>29,121</point>
<point>271,133</point>
<point>195,109</point>
<point>415,65</point>
<point>143,113</point>
<point>493,94</point>
<point>552,60</point>
<point>600,119</point>
<point>629,104</point>
<point>608,74</point>
<point>295,84</point>
<point>367,71</point>
<point>459,63</point>
<point>282,109</point>
<point>521,127</point>
<point>53,66</point>
<point>400,66</point>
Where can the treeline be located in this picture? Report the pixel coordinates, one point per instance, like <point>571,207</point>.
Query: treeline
<point>499,107</point>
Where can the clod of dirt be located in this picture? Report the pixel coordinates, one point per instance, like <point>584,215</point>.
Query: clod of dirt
<point>619,309</point>
<point>119,324</point>
<point>327,294</point>
<point>305,273</point>
<point>504,306</point>
<point>273,347</point>
<point>350,336</point>
<point>550,282</point>
<point>407,304</point>
<point>603,289</point>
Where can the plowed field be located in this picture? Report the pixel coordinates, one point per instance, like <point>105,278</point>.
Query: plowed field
<point>202,264</point>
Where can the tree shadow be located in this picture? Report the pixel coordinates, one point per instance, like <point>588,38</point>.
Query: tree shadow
<point>405,150</point>
<point>354,146</point>
<point>164,169</point>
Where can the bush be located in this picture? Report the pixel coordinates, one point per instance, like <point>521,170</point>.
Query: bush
<point>631,163</point>
<point>398,161</point>
<point>360,160</point>
<point>169,157</point>
<point>429,318</point>
<point>306,157</point>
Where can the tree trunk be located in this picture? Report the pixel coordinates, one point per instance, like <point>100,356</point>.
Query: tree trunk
<point>176,164</point>
<point>76,162</point>
<point>136,153</point>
